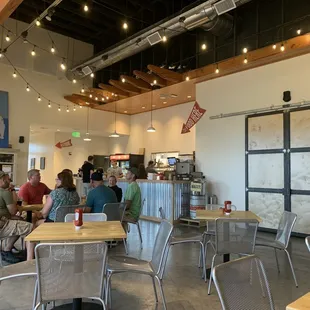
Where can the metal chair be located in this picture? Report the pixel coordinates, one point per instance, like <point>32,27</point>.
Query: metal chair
<point>87,217</point>
<point>307,240</point>
<point>121,264</point>
<point>282,239</point>
<point>115,212</point>
<point>62,211</point>
<point>242,284</point>
<point>70,271</point>
<point>188,238</point>
<point>241,242</point>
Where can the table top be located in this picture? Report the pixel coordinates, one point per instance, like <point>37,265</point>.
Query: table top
<point>214,214</point>
<point>302,303</point>
<point>65,232</point>
<point>37,207</point>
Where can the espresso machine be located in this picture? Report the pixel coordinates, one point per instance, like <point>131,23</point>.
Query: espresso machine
<point>184,170</point>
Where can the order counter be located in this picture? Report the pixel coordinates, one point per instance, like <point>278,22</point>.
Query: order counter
<point>172,196</point>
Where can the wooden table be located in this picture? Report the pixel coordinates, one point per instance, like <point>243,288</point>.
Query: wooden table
<point>29,209</point>
<point>302,303</point>
<point>65,232</point>
<point>212,215</point>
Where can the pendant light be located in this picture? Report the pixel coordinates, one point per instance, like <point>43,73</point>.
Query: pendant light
<point>114,134</point>
<point>151,128</point>
<point>87,139</point>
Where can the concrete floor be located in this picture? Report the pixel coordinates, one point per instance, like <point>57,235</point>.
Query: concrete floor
<point>184,288</point>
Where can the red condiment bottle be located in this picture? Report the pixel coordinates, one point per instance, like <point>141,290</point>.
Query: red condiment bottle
<point>227,206</point>
<point>78,221</point>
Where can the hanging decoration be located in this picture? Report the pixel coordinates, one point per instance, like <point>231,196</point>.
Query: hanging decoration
<point>196,114</point>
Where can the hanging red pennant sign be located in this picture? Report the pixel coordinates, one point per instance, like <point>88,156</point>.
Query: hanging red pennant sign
<point>194,117</point>
<point>67,143</point>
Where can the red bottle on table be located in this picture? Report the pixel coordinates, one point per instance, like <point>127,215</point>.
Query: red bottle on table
<point>227,207</point>
<point>78,222</point>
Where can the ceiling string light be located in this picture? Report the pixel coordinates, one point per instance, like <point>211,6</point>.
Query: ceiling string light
<point>63,65</point>
<point>114,134</point>
<point>87,138</point>
<point>204,46</point>
<point>39,98</point>
<point>33,52</point>
<point>274,46</point>
<point>7,38</point>
<point>53,49</point>
<point>245,60</point>
<point>151,128</point>
<point>282,48</point>
<point>217,70</point>
<point>49,104</point>
<point>14,74</point>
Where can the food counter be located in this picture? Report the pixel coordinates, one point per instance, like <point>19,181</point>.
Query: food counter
<point>172,196</point>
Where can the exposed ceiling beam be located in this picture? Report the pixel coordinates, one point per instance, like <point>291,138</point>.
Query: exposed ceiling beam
<point>150,78</point>
<point>104,93</point>
<point>77,100</point>
<point>91,101</point>
<point>125,87</point>
<point>114,90</point>
<point>166,74</point>
<point>7,7</point>
<point>137,82</point>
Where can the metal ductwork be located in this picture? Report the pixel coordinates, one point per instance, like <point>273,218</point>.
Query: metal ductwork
<point>210,15</point>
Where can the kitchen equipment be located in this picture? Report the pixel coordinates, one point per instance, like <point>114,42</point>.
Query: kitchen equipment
<point>197,197</point>
<point>184,168</point>
<point>213,200</point>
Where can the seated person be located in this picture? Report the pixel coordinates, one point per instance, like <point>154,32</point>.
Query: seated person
<point>99,195</point>
<point>33,191</point>
<point>64,195</point>
<point>132,197</point>
<point>117,190</point>
<point>11,227</point>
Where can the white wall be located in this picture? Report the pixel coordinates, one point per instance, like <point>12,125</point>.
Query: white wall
<point>220,144</point>
<point>43,73</point>
<point>168,123</point>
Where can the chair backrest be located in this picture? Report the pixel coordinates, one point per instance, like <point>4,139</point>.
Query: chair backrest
<point>242,284</point>
<point>162,213</point>
<point>234,236</point>
<point>142,206</point>
<point>286,224</point>
<point>114,211</point>
<point>160,246</point>
<point>70,270</point>
<point>307,240</point>
<point>62,211</point>
<point>88,217</point>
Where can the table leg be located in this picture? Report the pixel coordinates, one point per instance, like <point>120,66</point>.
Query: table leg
<point>29,216</point>
<point>77,304</point>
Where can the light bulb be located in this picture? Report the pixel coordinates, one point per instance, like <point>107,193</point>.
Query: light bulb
<point>52,49</point>
<point>63,66</point>
<point>7,38</point>
<point>298,31</point>
<point>274,46</point>
<point>107,97</point>
<point>39,98</point>
<point>74,81</point>
<point>74,109</point>
<point>164,38</point>
<point>90,96</point>
<point>38,23</point>
<point>123,80</point>
<point>187,78</point>
<point>96,98</point>
<point>245,60</point>
<point>67,109</point>
<point>27,88</point>
<point>81,107</point>
<point>125,26</point>
<point>92,75</point>
<point>83,90</point>
<point>102,99</point>
<point>155,82</point>
<point>59,109</point>
<point>282,48</point>
<point>49,104</point>
<point>1,55</point>
<point>204,46</point>
<point>245,50</point>
<point>33,52</point>
<point>86,8</point>
<point>14,74</point>
<point>217,70</point>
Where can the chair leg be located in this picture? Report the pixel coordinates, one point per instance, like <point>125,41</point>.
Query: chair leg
<point>203,252</point>
<point>125,246</point>
<point>1,262</point>
<point>166,253</point>
<point>276,254</point>
<point>210,281</point>
<point>161,292</point>
<point>35,295</point>
<point>103,304</point>
<point>140,235</point>
<point>292,267</point>
<point>108,299</point>
<point>155,290</point>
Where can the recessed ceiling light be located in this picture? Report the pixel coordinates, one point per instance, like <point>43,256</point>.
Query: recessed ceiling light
<point>143,107</point>
<point>125,111</point>
<point>153,105</point>
<point>189,96</point>
<point>173,95</point>
<point>164,102</point>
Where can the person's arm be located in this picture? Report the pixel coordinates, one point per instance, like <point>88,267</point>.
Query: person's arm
<point>129,197</point>
<point>89,203</point>
<point>47,191</point>
<point>119,194</point>
<point>47,207</point>
<point>9,201</point>
<point>23,195</point>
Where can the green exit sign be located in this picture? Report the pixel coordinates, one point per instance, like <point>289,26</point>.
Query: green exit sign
<point>76,134</point>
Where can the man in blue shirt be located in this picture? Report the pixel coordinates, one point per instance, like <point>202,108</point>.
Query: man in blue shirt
<point>99,195</point>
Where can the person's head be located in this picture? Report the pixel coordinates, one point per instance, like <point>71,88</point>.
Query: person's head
<point>151,164</point>
<point>90,159</point>
<point>68,170</point>
<point>132,174</point>
<point>96,179</point>
<point>114,163</point>
<point>112,180</point>
<point>65,180</point>
<point>142,172</point>
<point>100,170</point>
<point>4,180</point>
<point>34,176</point>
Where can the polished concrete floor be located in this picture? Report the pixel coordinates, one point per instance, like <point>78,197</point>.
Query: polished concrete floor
<point>184,288</point>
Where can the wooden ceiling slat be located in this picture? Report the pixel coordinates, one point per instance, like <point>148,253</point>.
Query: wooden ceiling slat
<point>139,83</point>
<point>7,7</point>
<point>77,100</point>
<point>149,78</point>
<point>166,74</point>
<point>114,90</point>
<point>125,87</point>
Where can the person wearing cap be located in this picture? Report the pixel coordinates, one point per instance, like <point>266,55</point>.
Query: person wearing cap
<point>132,197</point>
<point>11,226</point>
<point>99,195</point>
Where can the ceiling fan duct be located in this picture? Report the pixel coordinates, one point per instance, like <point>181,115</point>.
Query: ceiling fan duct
<point>209,15</point>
